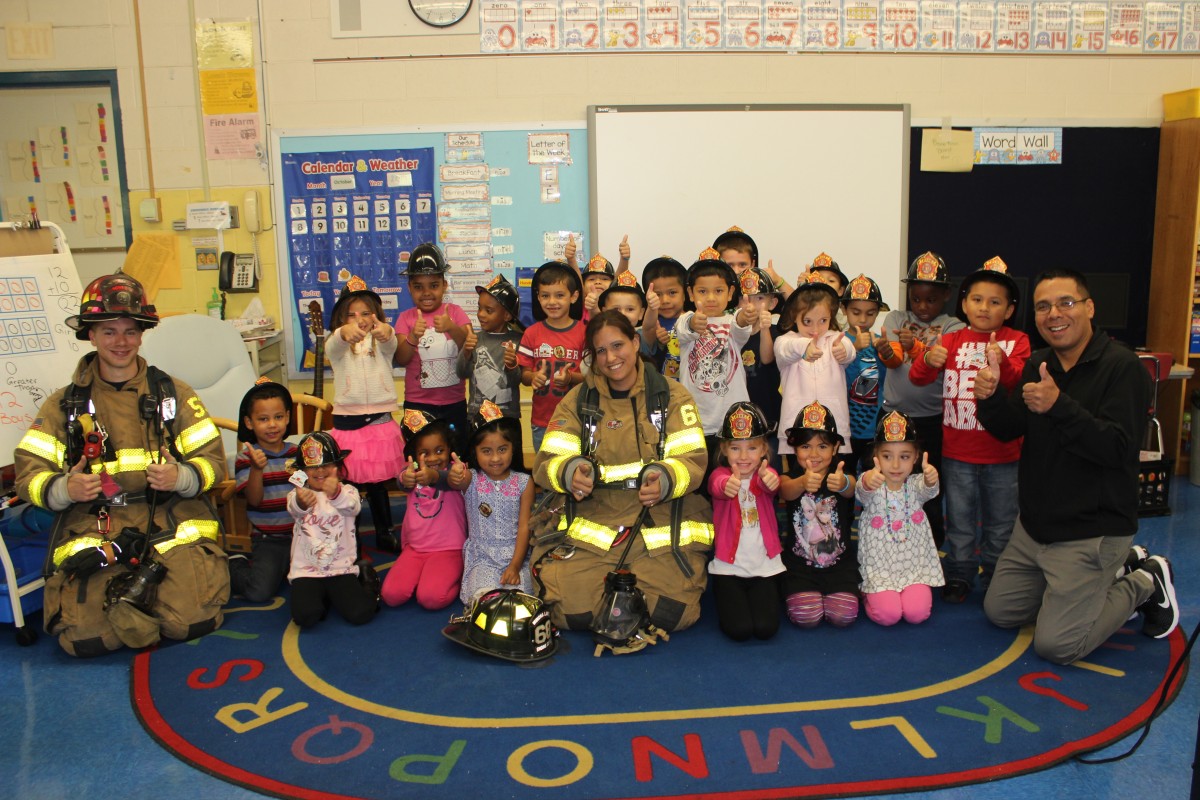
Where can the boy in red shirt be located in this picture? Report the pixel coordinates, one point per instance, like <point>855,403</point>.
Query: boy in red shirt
<point>552,347</point>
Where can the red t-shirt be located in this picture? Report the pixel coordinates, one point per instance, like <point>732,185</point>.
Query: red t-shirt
<point>963,438</point>
<point>550,349</point>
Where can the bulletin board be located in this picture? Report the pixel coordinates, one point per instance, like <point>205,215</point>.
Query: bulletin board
<point>503,198</point>
<point>65,159</point>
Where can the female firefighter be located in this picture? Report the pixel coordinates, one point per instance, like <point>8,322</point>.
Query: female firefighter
<point>625,440</point>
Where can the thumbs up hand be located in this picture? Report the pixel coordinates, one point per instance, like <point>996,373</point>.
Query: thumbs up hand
<point>351,333</point>
<point>813,352</point>
<point>562,379</point>
<point>812,479</point>
<point>650,492</point>
<point>699,322</point>
<point>936,355</point>
<point>905,337</point>
<point>590,302</point>
<point>258,459</point>
<point>382,331</point>
<point>305,498</point>
<point>426,476</point>
<point>995,353</point>
<point>408,478</point>
<point>768,476</point>
<point>839,351</point>
<point>1040,396</point>
<point>419,327</point>
<point>164,475</point>
<point>988,378</point>
<point>510,355</point>
<point>442,323</point>
<point>471,341</point>
<point>930,473</point>
<point>872,479</point>
<point>583,481</point>
<point>540,376</point>
<point>570,250</point>
<point>837,481</point>
<point>82,486</point>
<point>862,338</point>
<point>652,300</point>
<point>458,472</point>
<point>623,248</point>
<point>764,321</point>
<point>733,486</point>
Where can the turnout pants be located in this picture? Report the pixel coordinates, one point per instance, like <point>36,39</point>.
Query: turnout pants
<point>573,587</point>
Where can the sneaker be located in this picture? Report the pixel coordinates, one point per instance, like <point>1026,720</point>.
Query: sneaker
<point>1161,611</point>
<point>955,591</point>
<point>1134,561</point>
<point>369,578</point>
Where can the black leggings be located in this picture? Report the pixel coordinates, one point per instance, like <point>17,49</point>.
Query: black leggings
<point>747,606</point>
<point>312,596</point>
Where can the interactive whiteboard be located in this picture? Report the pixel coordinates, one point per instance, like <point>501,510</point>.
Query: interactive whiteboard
<point>799,179</point>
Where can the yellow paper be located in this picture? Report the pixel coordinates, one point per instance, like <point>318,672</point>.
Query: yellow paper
<point>947,150</point>
<point>228,91</point>
<point>146,261</point>
<point>172,275</point>
<point>224,45</point>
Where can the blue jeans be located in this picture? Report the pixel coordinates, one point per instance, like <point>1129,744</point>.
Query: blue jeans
<point>538,433</point>
<point>259,579</point>
<point>981,505</point>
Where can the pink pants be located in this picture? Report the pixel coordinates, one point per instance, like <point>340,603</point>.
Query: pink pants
<point>433,577</point>
<point>912,604</point>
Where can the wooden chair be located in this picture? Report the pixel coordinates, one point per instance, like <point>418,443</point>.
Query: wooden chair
<point>231,506</point>
<point>310,414</point>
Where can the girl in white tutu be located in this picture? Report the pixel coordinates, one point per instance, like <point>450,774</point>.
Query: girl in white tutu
<point>360,349</point>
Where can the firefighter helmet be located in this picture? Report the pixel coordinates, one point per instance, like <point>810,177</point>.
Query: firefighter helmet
<point>995,271</point>
<point>732,238</point>
<point>744,421</point>
<point>928,267</point>
<point>504,293</point>
<point>317,449</point>
<point>508,624</point>
<point>863,288</point>
<point>895,426</point>
<point>112,297</point>
<point>426,259</point>
<point>825,263</point>
<point>813,417</point>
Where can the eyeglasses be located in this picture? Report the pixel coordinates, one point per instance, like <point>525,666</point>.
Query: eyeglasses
<point>1062,304</point>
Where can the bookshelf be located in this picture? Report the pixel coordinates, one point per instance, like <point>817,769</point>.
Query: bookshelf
<point>1173,304</point>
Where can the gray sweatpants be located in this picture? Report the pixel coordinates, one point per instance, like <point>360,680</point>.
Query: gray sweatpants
<point>1069,589</point>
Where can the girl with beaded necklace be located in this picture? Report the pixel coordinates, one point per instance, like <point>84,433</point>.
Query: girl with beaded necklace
<point>896,554</point>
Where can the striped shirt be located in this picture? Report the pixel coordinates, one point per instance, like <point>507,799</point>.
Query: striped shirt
<point>271,517</point>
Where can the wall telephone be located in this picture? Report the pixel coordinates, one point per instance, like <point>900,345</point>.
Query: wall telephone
<point>239,271</point>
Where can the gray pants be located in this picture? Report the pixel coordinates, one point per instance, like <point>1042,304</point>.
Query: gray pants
<point>1069,589</point>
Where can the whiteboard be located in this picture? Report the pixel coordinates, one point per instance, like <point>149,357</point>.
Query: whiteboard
<point>799,179</point>
<point>38,352</point>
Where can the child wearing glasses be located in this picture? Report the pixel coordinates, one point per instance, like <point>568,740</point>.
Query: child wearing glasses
<point>979,471</point>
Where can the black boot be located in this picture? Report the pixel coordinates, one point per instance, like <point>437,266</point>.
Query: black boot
<point>369,579</point>
<point>381,517</point>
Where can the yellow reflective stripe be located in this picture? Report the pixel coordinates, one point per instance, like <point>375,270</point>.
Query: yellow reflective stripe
<point>553,468</point>
<point>620,472</point>
<point>680,474</point>
<point>592,533</point>
<point>65,551</point>
<point>208,475</point>
<point>684,441</point>
<point>190,530</point>
<point>37,487</point>
<point>129,460</point>
<point>195,437</point>
<point>43,445</point>
<point>690,532</point>
<point>562,443</point>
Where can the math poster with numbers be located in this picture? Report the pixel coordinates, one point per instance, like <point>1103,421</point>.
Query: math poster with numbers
<point>356,213</point>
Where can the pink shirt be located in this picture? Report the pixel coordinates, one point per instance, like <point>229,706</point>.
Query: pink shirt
<point>435,520</point>
<point>430,377</point>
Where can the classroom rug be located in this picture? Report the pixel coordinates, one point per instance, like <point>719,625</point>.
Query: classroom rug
<point>395,710</point>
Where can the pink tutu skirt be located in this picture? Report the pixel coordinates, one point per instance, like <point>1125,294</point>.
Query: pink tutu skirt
<point>377,451</point>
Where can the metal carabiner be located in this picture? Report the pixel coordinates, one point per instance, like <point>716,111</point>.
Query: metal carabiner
<point>103,523</point>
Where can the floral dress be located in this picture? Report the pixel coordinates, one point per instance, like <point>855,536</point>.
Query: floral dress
<point>493,514</point>
<point>895,542</point>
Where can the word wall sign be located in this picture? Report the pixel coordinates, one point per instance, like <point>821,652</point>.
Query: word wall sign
<point>1135,27</point>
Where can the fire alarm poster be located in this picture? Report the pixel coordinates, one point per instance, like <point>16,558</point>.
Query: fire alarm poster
<point>355,213</point>
<point>497,201</point>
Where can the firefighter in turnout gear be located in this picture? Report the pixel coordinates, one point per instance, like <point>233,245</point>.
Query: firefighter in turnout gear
<point>123,456</point>
<point>625,439</point>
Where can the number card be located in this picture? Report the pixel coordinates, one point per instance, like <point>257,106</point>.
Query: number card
<point>498,21</point>
<point>663,26</point>
<point>622,26</point>
<point>1089,26</point>
<point>702,24</point>
<point>743,24</point>
<point>1014,26</point>
<point>1051,26</point>
<point>823,24</point>
<point>977,26</point>
<point>539,25</point>
<point>1125,20</point>
<point>1163,21</point>
<point>939,24</point>
<point>900,20</point>
<point>581,24</point>
<point>861,23</point>
<point>781,26</point>
<point>1190,27</point>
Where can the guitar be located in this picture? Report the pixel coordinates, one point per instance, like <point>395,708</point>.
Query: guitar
<point>317,326</point>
